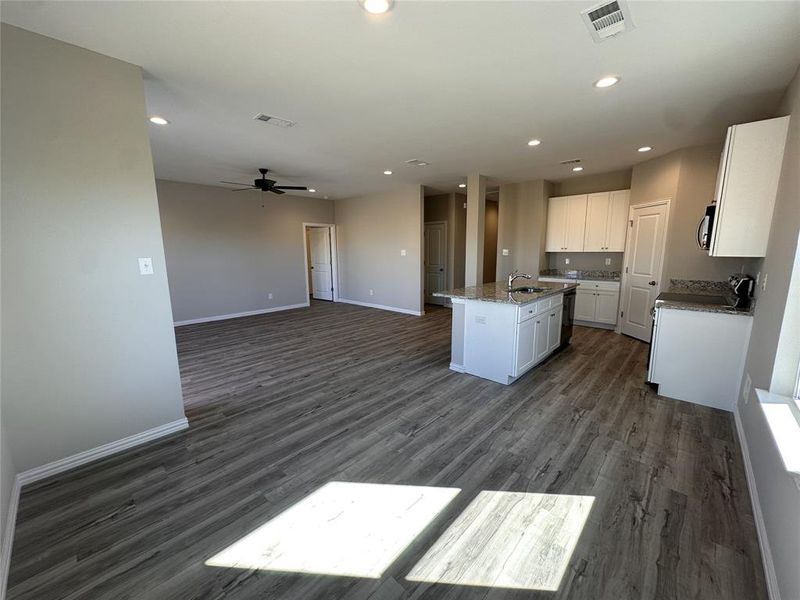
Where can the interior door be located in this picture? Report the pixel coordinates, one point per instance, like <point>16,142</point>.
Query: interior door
<point>596,222</point>
<point>644,258</point>
<point>321,266</point>
<point>556,225</point>
<point>435,261</point>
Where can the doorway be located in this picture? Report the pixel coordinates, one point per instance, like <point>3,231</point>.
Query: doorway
<point>435,260</point>
<point>490,222</point>
<point>320,261</point>
<point>644,262</point>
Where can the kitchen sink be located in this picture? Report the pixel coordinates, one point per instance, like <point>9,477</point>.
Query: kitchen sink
<point>528,290</point>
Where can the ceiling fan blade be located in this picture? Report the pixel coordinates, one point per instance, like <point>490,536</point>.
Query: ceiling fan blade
<point>276,190</point>
<point>289,187</point>
<point>236,183</point>
<point>247,189</point>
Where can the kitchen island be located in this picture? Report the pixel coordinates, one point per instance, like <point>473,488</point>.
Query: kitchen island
<point>500,334</point>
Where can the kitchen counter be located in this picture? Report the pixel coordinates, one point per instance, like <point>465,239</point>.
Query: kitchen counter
<point>498,292</point>
<point>694,292</point>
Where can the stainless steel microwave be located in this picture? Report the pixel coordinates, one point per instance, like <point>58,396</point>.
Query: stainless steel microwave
<point>706,227</point>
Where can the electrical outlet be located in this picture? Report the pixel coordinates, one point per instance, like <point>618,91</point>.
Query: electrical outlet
<point>505,251</point>
<point>566,261</point>
<point>608,262</point>
<point>145,266</point>
<point>269,296</point>
<point>465,205</point>
<point>748,383</point>
<point>764,282</point>
<point>758,278</point>
<point>372,292</point>
<point>402,252</point>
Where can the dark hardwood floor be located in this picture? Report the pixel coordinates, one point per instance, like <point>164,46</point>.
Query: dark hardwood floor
<point>281,404</point>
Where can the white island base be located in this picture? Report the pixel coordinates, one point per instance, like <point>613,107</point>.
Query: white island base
<point>502,341</point>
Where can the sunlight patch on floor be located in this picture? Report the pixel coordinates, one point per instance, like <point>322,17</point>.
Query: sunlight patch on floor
<point>508,540</point>
<point>347,529</point>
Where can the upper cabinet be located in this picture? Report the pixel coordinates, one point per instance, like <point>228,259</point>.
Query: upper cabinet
<point>566,224</point>
<point>588,223</point>
<point>606,221</point>
<point>747,183</point>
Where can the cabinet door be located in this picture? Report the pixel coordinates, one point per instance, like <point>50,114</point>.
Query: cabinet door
<point>526,340</point>
<point>556,224</point>
<point>597,210</point>
<point>576,223</point>
<point>554,329</point>
<point>606,307</point>
<point>540,337</point>
<point>584,305</point>
<point>619,202</point>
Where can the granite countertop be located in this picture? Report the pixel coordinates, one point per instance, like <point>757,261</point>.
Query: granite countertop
<point>582,275</point>
<point>694,290</point>
<point>498,292</point>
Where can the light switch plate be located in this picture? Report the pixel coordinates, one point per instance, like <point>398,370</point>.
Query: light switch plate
<point>402,252</point>
<point>608,262</point>
<point>505,251</point>
<point>748,383</point>
<point>566,261</point>
<point>145,266</point>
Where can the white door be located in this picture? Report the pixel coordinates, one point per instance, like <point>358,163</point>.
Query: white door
<point>556,224</point>
<point>596,222</point>
<point>526,334</point>
<point>435,261</point>
<point>584,304</point>
<point>644,258</point>
<point>321,267</point>
<point>606,307</point>
<point>554,329</point>
<point>617,220</point>
<point>576,223</point>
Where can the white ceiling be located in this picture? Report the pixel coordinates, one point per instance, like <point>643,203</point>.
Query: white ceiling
<point>462,85</point>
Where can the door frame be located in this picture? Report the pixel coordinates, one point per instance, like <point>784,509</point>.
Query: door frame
<point>626,257</point>
<point>446,259</point>
<point>334,260</point>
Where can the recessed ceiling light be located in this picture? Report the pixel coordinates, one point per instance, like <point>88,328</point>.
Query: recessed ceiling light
<point>387,172</point>
<point>462,185</point>
<point>645,149</point>
<point>422,163</point>
<point>606,82</point>
<point>376,7</point>
<point>312,190</point>
<point>577,169</point>
<point>534,142</point>
<point>158,120</point>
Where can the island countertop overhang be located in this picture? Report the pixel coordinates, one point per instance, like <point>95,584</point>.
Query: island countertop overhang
<point>498,292</point>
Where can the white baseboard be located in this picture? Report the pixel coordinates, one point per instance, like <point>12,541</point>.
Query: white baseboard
<point>457,368</point>
<point>248,313</point>
<point>405,311</point>
<point>8,536</point>
<point>77,460</point>
<point>65,464</point>
<point>766,554</point>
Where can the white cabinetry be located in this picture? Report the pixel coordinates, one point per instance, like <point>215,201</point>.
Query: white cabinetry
<point>566,224</point>
<point>525,356</point>
<point>747,183</point>
<point>588,223</point>
<point>699,356</point>
<point>596,302</point>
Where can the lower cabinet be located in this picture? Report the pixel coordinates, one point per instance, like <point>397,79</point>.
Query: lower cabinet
<point>537,337</point>
<point>596,301</point>
<point>526,339</point>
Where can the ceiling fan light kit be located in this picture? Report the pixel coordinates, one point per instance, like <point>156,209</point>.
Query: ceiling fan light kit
<point>266,185</point>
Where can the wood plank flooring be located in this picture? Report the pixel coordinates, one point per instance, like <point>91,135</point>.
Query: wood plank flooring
<point>281,404</point>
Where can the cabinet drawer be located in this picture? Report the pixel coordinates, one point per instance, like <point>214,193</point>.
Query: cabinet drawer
<point>527,312</point>
<point>612,286</point>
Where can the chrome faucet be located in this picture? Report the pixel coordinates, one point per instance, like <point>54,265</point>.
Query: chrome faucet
<point>516,275</point>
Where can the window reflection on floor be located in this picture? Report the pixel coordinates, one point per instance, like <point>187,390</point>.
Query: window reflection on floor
<point>348,529</point>
<point>509,540</point>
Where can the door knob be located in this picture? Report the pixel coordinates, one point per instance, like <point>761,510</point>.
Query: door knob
<point>441,270</point>
<point>651,283</point>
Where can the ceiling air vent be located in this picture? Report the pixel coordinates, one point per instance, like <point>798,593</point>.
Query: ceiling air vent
<point>607,19</point>
<point>571,161</point>
<point>277,121</point>
<point>417,162</point>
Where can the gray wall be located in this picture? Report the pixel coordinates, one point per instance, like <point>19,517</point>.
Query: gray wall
<point>371,232</point>
<point>522,225</point>
<point>601,182</point>
<point>775,309</point>
<point>87,342</point>
<point>227,251</point>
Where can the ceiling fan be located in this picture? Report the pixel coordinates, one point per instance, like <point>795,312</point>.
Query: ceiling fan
<point>266,185</point>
